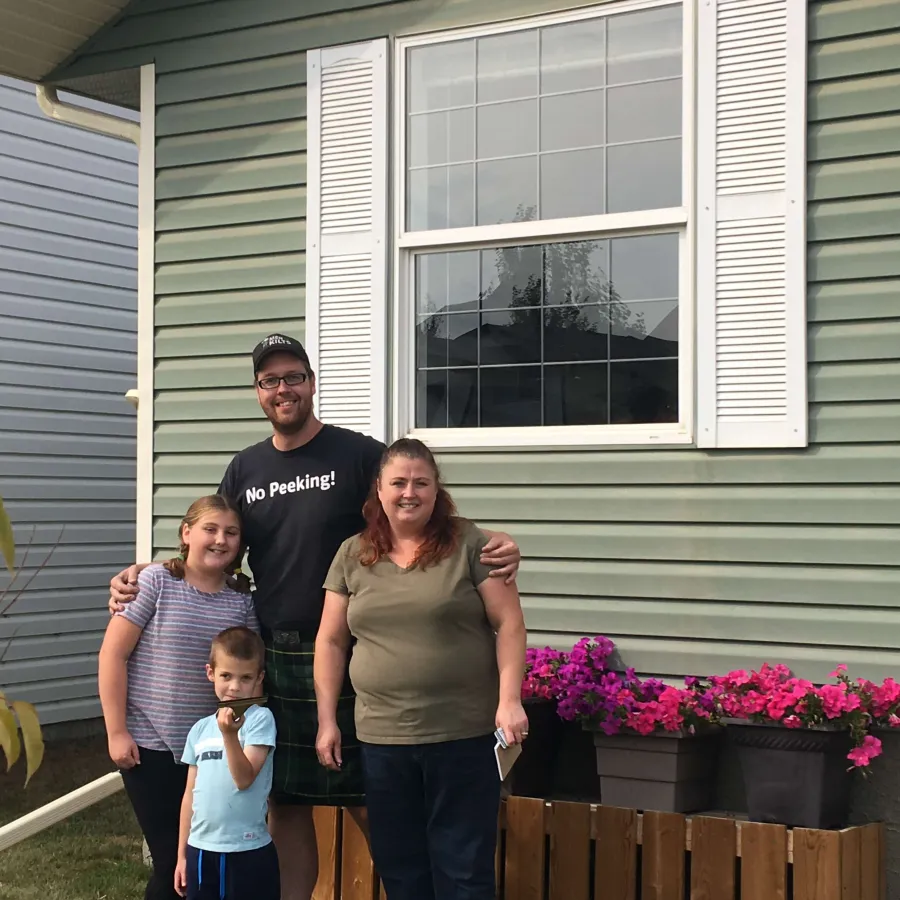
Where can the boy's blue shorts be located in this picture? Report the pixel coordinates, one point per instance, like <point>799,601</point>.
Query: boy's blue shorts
<point>247,875</point>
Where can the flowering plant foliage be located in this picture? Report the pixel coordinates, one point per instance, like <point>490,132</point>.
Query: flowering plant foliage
<point>772,695</point>
<point>586,690</point>
<point>541,673</point>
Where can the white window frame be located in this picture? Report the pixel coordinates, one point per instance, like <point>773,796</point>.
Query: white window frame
<point>599,227</point>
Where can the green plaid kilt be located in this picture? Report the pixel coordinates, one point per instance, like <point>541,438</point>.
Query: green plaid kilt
<point>298,777</point>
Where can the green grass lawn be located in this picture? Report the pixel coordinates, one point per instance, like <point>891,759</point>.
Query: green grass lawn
<point>95,855</point>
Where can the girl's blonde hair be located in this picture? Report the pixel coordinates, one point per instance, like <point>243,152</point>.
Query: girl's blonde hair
<point>214,503</point>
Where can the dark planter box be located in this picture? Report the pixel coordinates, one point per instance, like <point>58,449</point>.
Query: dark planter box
<point>532,775</point>
<point>669,772</point>
<point>575,776</point>
<point>794,777</point>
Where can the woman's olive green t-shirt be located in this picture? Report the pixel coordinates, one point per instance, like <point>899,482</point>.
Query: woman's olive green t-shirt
<point>424,666</point>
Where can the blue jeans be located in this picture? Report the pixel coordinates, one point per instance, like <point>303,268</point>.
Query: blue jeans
<point>433,818</point>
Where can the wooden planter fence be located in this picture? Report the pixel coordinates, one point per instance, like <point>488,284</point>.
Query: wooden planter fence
<point>579,851</point>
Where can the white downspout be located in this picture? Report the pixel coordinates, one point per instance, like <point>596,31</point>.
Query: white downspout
<point>103,123</point>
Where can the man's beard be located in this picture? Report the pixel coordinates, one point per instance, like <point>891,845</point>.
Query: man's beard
<point>289,428</point>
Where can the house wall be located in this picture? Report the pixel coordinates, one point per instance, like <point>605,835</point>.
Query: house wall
<point>68,236</point>
<point>692,561</point>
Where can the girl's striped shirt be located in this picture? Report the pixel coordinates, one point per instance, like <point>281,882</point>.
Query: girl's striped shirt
<point>168,690</point>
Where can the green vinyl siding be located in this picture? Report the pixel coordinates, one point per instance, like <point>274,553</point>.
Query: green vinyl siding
<point>692,561</point>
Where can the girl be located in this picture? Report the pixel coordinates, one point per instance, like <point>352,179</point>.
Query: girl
<point>153,683</point>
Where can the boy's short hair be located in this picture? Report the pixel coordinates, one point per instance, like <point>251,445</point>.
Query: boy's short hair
<point>241,643</point>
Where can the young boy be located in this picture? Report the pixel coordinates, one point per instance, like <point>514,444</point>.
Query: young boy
<point>224,849</point>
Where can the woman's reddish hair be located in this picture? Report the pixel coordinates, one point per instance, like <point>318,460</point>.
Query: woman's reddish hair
<point>441,532</point>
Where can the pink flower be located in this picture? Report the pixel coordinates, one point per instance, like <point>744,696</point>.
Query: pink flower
<point>866,752</point>
<point>792,722</point>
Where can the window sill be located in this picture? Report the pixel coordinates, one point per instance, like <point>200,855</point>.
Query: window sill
<point>552,438</point>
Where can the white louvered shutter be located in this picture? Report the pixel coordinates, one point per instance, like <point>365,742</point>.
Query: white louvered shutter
<point>751,232</point>
<point>346,233</point>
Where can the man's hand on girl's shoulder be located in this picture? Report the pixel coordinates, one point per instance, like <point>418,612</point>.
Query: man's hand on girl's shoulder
<point>123,588</point>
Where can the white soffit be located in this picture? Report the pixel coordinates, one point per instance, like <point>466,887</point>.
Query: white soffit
<point>36,36</point>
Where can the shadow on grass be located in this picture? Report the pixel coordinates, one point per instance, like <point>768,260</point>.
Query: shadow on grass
<point>95,855</point>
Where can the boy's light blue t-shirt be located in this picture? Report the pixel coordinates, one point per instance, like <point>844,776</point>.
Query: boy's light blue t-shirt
<point>226,820</point>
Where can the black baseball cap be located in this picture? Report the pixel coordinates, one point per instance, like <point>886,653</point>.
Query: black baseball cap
<point>278,343</point>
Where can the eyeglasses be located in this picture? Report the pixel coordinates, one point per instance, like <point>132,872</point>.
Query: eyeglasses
<point>271,382</point>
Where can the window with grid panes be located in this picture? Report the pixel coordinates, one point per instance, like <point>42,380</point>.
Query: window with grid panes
<point>578,125</point>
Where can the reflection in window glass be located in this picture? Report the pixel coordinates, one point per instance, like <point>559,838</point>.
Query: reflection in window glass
<point>609,85</point>
<point>573,333</point>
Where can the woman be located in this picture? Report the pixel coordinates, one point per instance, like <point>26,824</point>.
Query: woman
<point>437,664</point>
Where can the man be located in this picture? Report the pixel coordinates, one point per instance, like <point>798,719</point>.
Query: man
<point>301,494</point>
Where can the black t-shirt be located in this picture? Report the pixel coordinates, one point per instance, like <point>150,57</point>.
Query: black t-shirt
<point>298,507</point>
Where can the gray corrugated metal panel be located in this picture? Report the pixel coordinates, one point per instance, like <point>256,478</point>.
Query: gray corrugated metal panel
<point>78,379</point>
<point>64,400</point>
<point>61,312</point>
<point>231,209</point>
<point>21,115</point>
<point>34,602</point>
<point>28,172</point>
<point>288,236</point>
<point>841,382</point>
<point>76,207</point>
<point>854,178</point>
<point>854,138</point>
<point>675,504</point>
<point>843,300</point>
<point>48,665</point>
<point>668,657</point>
<point>284,104</point>
<point>56,222</point>
<point>855,56</point>
<point>57,513</point>
<point>60,691</point>
<point>843,219</point>
<point>84,709</point>
<point>19,141</point>
<point>25,625</point>
<point>76,443</point>
<point>238,143</point>
<point>62,356</point>
<point>845,18</point>
<point>230,274</point>
<point>66,555</point>
<point>35,465</point>
<point>838,261</point>
<point>816,586</point>
<point>63,423</point>
<point>32,262</point>
<point>231,306</point>
<point>42,536</point>
<point>844,341</point>
<point>29,235</point>
<point>850,99</point>
<point>50,334</point>
<point>819,465</point>
<point>719,543</point>
<point>231,177</point>
<point>65,488</point>
<point>754,622</point>
<point>27,284</point>
<point>265,74</point>
<point>218,340</point>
